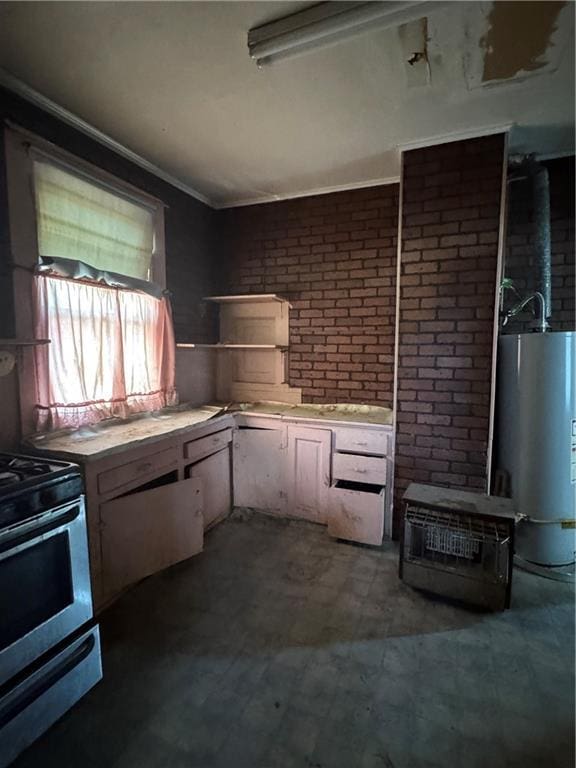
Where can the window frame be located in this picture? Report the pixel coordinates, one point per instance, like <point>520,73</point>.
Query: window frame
<point>21,149</point>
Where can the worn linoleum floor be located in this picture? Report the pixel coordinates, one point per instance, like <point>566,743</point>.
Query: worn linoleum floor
<point>279,647</point>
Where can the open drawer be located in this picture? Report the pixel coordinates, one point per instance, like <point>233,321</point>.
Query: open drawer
<point>359,469</point>
<point>356,512</point>
<point>361,440</point>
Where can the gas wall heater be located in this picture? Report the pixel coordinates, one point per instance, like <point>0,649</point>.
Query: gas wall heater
<point>458,544</point>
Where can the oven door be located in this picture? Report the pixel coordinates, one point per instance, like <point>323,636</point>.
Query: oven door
<point>45,578</point>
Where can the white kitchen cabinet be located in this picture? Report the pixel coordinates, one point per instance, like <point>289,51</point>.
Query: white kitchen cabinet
<point>142,533</point>
<point>214,473</point>
<point>259,468</point>
<point>359,469</point>
<point>254,335</point>
<point>359,497</point>
<point>357,512</point>
<point>308,472</point>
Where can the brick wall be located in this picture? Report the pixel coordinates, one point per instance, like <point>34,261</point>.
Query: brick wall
<point>519,246</point>
<point>450,220</point>
<point>334,257</point>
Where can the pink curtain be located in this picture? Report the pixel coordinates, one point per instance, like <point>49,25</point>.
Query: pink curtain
<point>111,352</point>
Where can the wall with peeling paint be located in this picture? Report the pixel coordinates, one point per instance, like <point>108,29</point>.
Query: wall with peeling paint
<point>518,38</point>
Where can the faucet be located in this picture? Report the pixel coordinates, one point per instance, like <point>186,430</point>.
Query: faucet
<point>540,324</point>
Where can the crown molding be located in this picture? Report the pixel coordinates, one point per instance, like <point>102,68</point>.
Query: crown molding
<point>461,135</point>
<point>271,198</point>
<point>17,86</point>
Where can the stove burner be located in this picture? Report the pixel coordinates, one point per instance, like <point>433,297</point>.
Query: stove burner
<point>15,469</point>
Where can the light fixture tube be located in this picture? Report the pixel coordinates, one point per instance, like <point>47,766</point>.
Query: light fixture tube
<point>294,33</point>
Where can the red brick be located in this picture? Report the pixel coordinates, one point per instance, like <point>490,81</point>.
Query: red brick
<point>457,288</point>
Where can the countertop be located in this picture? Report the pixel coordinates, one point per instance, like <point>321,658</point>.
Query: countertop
<point>110,437</point>
<point>106,438</point>
<point>343,412</point>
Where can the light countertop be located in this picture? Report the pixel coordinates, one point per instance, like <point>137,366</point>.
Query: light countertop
<point>343,412</point>
<point>112,436</point>
<point>109,437</point>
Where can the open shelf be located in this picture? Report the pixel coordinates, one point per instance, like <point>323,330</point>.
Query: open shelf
<point>251,298</point>
<point>4,343</point>
<point>231,346</point>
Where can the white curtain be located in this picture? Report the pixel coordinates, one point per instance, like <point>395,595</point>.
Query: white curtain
<point>111,352</point>
<point>82,221</point>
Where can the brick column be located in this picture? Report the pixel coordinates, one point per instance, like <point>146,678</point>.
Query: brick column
<point>450,229</point>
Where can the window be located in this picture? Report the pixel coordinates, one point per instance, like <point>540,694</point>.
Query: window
<point>84,222</point>
<point>112,345</point>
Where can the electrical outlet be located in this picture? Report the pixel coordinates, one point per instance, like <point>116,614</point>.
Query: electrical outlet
<point>7,361</point>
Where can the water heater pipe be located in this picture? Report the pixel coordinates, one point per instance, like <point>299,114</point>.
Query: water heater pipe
<point>543,257</point>
<point>528,168</point>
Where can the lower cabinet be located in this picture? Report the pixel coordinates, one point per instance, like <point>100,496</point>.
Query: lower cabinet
<point>338,476</point>
<point>307,472</point>
<point>357,512</point>
<point>148,509</point>
<point>283,469</point>
<point>258,468</point>
<point>215,476</point>
<point>143,532</point>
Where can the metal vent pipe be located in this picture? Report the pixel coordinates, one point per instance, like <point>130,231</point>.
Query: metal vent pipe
<point>528,168</point>
<point>543,256</point>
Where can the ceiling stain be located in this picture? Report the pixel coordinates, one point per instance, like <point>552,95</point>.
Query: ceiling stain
<point>517,38</point>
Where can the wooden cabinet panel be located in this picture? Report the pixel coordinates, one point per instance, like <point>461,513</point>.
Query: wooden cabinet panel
<point>254,323</point>
<point>362,469</point>
<point>360,440</point>
<point>143,469</point>
<point>143,533</point>
<point>356,513</point>
<point>197,449</point>
<point>257,366</point>
<point>258,469</point>
<point>308,471</point>
<point>214,472</point>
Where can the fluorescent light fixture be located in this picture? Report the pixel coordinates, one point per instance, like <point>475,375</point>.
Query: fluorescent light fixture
<point>329,22</point>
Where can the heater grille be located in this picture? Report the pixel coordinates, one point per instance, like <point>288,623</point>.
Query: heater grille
<point>457,554</point>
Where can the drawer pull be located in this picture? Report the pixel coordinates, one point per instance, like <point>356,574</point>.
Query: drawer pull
<point>360,471</point>
<point>145,466</point>
<point>363,445</point>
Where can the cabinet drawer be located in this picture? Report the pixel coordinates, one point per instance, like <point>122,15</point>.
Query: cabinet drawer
<point>136,470</point>
<point>362,469</point>
<point>356,512</point>
<point>362,441</point>
<point>196,449</point>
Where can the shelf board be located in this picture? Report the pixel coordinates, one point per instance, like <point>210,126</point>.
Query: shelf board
<point>4,343</point>
<point>246,298</point>
<point>231,346</point>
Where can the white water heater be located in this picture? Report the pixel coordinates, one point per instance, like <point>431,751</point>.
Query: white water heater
<point>536,440</point>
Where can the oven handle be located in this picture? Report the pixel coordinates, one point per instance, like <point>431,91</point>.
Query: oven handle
<point>44,683</point>
<point>12,539</point>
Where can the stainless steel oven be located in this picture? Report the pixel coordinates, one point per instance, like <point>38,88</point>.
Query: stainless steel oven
<point>49,645</point>
<point>40,696</point>
<point>45,580</point>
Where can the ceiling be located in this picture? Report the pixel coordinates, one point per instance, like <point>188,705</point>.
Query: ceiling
<point>173,82</point>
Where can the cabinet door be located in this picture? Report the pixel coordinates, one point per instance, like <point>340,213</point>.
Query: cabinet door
<point>258,469</point>
<point>143,533</point>
<point>308,472</point>
<point>214,472</point>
